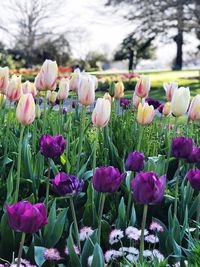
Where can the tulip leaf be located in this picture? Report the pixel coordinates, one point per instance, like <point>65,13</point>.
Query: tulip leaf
<point>88,249</point>
<point>39,255</point>
<point>9,198</point>
<point>74,258</point>
<point>121,221</point>
<point>98,257</point>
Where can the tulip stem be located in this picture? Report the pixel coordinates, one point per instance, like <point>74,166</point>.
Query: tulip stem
<point>141,130</point>
<point>101,207</point>
<point>95,151</point>
<point>176,191</point>
<point>7,128</point>
<point>45,108</point>
<point>20,250</point>
<point>48,184</point>
<point>82,127</point>
<point>75,221</point>
<point>142,233</point>
<point>19,163</point>
<point>197,217</point>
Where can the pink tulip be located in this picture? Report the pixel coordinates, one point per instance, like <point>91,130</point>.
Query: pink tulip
<point>170,89</point>
<point>136,100</point>
<point>29,87</point>
<point>86,90</point>
<point>4,79</point>
<point>25,112</point>
<point>47,77</point>
<point>14,89</point>
<point>101,113</point>
<point>145,114</point>
<point>194,110</point>
<point>142,87</point>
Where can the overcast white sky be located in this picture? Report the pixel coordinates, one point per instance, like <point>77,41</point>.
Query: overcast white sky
<point>104,28</point>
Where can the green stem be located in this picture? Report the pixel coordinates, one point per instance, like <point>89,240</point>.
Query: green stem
<point>75,221</point>
<point>176,191</point>
<point>19,163</point>
<point>142,233</point>
<point>94,162</point>
<point>101,206</point>
<point>48,184</point>
<point>141,130</point>
<point>129,197</point>
<point>82,128</point>
<point>7,128</point>
<point>197,217</point>
<point>20,250</point>
<point>45,108</point>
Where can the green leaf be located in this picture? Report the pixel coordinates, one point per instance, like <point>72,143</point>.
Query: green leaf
<point>74,258</point>
<point>88,249</point>
<point>9,186</point>
<point>121,221</point>
<point>39,255</point>
<point>98,257</point>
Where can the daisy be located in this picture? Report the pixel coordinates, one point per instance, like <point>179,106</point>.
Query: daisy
<point>112,254</point>
<point>52,254</point>
<point>151,239</point>
<point>115,236</point>
<point>158,255</point>
<point>85,232</point>
<point>76,249</point>
<point>154,226</point>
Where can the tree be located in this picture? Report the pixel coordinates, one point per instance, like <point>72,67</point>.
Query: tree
<point>134,49</point>
<point>167,19</point>
<point>93,57</point>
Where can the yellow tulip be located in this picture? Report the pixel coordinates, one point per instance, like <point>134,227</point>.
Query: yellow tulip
<point>166,109</point>
<point>119,90</point>
<point>145,114</point>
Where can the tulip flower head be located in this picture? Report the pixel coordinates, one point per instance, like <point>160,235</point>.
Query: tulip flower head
<point>75,80</point>
<point>194,110</point>
<point>67,185</point>
<point>167,109</point>
<point>52,146</point>
<point>194,157</point>
<point>86,90</point>
<point>108,96</point>
<point>170,88</point>
<point>14,89</point>
<point>136,100</point>
<point>142,87</point>
<point>107,179</point>
<point>145,114</point>
<point>153,102</point>
<point>47,77</point>
<point>63,91</point>
<point>193,177</point>
<point>29,87</point>
<point>124,103</point>
<point>101,113</point>
<point>26,217</point>
<point>25,111</point>
<point>180,101</point>
<point>51,97</point>
<point>119,90</point>
<point>182,147</point>
<point>148,188</point>
<point>135,161</point>
<point>4,79</point>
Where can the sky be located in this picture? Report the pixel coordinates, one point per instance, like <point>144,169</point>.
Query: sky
<point>102,29</point>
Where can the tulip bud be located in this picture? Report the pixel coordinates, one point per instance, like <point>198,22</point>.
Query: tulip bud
<point>194,110</point>
<point>145,114</point>
<point>180,101</point>
<point>136,100</point>
<point>193,177</point>
<point>166,109</point>
<point>47,77</point>
<point>29,87</point>
<point>142,87</point>
<point>135,161</point>
<point>75,80</point>
<point>86,90</point>
<point>52,146</point>
<point>2,100</point>
<point>107,96</point>
<point>119,90</point>
<point>4,79</point>
<point>26,109</point>
<point>51,97</point>
<point>170,89</point>
<point>101,113</point>
<point>182,147</point>
<point>37,111</point>
<point>14,89</point>
<point>63,91</point>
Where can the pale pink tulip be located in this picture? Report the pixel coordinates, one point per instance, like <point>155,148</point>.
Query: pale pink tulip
<point>101,113</point>
<point>142,87</point>
<point>14,89</point>
<point>25,112</point>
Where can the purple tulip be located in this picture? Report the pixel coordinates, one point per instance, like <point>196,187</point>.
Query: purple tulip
<point>26,217</point>
<point>124,103</point>
<point>193,177</point>
<point>194,157</point>
<point>135,161</point>
<point>182,147</point>
<point>52,146</point>
<point>64,110</point>
<point>73,104</point>
<point>160,108</point>
<point>148,188</point>
<point>154,102</point>
<point>107,179</point>
<point>65,184</point>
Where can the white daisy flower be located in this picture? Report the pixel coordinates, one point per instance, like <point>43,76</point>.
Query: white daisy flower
<point>115,236</point>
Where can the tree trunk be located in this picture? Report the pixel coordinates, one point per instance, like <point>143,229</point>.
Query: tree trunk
<point>179,51</point>
<point>130,65</point>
